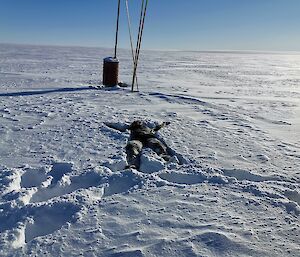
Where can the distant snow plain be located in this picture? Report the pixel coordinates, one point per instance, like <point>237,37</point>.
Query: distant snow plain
<point>232,188</point>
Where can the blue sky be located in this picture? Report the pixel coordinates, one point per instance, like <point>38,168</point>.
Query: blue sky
<point>171,24</point>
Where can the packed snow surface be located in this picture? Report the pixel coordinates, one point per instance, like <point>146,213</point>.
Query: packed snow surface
<point>230,189</point>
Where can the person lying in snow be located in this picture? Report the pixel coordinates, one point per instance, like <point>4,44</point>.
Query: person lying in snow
<point>143,136</point>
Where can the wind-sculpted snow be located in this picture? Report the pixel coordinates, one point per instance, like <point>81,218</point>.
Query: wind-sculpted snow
<point>230,188</point>
<point>25,219</point>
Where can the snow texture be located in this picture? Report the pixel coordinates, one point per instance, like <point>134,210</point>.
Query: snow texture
<point>231,187</point>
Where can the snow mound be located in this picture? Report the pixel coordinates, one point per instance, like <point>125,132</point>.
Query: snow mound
<point>116,163</point>
<point>123,182</point>
<point>150,162</point>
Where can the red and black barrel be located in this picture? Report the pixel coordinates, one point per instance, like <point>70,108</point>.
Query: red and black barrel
<point>110,71</point>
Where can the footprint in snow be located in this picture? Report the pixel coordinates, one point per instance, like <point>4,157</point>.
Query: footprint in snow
<point>33,178</point>
<point>63,183</point>
<point>58,182</point>
<point>48,219</point>
<point>22,225</point>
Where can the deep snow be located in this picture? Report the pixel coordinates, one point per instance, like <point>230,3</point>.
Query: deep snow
<point>232,188</point>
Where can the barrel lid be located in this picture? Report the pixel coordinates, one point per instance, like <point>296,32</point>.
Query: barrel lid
<point>111,59</point>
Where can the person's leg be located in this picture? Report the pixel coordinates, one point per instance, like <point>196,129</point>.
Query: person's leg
<point>133,150</point>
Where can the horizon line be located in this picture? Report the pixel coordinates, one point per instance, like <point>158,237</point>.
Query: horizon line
<point>157,49</point>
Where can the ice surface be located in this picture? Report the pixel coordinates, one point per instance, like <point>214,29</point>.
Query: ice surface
<point>230,189</point>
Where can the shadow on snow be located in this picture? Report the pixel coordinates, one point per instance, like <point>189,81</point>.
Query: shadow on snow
<point>41,92</point>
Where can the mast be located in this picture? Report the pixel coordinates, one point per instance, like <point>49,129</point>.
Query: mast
<point>117,30</point>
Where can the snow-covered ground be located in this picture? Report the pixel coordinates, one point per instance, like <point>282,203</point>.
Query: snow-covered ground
<point>232,190</point>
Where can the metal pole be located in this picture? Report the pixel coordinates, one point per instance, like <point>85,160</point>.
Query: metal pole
<point>117,30</point>
<point>139,45</point>
<point>130,35</point>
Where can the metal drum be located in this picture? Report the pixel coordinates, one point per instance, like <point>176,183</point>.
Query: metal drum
<point>110,71</point>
